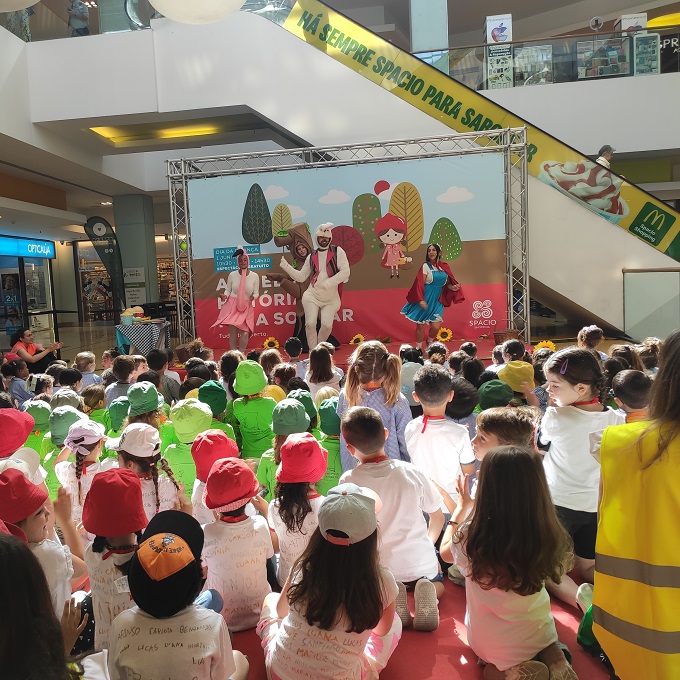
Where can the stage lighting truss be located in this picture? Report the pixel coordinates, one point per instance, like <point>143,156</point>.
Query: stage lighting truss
<point>511,142</point>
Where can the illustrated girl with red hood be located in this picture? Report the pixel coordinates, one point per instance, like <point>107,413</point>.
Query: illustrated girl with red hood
<point>238,309</point>
<point>391,231</point>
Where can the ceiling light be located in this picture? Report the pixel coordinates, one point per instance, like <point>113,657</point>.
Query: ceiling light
<point>107,203</point>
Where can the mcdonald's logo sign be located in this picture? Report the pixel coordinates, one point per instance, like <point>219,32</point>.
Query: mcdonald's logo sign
<point>652,223</point>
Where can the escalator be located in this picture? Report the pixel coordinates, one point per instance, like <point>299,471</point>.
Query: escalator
<point>585,223</point>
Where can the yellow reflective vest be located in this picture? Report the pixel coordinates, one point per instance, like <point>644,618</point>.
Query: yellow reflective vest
<point>636,601</point>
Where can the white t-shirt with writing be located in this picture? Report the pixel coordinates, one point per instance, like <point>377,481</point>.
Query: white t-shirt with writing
<point>504,628</point>
<point>406,493</point>
<point>167,493</point>
<point>107,600</point>
<point>573,474</point>
<point>236,555</point>
<point>191,645</point>
<point>439,451</point>
<point>302,651</point>
<point>292,543</point>
<point>55,559</point>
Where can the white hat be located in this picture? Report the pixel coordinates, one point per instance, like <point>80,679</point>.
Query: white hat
<point>324,229</point>
<point>348,509</point>
<point>138,439</point>
<point>25,459</point>
<point>84,433</point>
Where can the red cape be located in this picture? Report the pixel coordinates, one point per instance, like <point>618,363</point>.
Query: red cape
<point>417,292</point>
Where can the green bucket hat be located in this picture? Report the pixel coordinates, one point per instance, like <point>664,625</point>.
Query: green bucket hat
<point>118,412</point>
<point>190,417</point>
<point>305,398</point>
<point>250,378</point>
<point>214,395</point>
<point>494,393</point>
<point>328,415</point>
<point>40,412</point>
<point>144,398</point>
<point>61,420</point>
<point>289,416</point>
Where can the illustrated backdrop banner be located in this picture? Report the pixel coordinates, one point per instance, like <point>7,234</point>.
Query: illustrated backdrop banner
<point>464,110</point>
<point>456,201</point>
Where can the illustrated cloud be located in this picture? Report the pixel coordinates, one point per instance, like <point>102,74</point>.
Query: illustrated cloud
<point>455,195</point>
<point>335,196</point>
<point>273,192</point>
<point>296,212</point>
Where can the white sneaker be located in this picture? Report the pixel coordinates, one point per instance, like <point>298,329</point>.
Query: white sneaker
<point>584,596</point>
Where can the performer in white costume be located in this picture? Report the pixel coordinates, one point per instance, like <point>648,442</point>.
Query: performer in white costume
<point>329,269</point>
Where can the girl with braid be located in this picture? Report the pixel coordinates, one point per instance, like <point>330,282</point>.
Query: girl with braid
<point>84,442</point>
<point>374,380</point>
<point>139,450</point>
<point>576,385</point>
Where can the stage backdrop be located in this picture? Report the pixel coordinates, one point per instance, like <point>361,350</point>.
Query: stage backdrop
<point>455,201</point>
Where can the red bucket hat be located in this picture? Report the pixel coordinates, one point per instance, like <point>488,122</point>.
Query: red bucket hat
<point>231,484</point>
<point>19,497</point>
<point>113,506</point>
<point>302,460</point>
<point>15,427</point>
<point>210,446</point>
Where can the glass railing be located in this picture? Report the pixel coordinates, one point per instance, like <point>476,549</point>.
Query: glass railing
<point>46,21</point>
<point>571,58</point>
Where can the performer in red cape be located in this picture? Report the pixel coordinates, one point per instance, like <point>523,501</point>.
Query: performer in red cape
<point>238,310</point>
<point>435,287</point>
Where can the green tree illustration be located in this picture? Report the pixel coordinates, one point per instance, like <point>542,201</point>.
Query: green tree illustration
<point>407,204</point>
<point>257,221</point>
<point>445,234</point>
<point>366,212</point>
<point>282,220</point>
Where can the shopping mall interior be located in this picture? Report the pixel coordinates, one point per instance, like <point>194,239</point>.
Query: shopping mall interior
<point>91,111</point>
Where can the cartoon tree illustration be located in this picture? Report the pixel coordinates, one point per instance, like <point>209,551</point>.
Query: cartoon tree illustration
<point>366,212</point>
<point>257,221</point>
<point>351,241</point>
<point>407,204</point>
<point>282,220</point>
<point>445,234</point>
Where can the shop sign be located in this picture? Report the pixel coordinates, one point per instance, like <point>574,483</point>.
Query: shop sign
<point>21,247</point>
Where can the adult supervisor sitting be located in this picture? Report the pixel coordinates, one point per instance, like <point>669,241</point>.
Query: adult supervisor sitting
<point>37,357</point>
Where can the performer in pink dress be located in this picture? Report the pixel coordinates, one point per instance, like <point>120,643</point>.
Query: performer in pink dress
<point>238,308</point>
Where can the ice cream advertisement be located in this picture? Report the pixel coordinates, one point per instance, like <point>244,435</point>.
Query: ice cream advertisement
<point>462,109</point>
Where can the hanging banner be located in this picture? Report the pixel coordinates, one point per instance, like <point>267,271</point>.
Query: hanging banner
<point>105,242</point>
<point>384,215</point>
<point>464,110</point>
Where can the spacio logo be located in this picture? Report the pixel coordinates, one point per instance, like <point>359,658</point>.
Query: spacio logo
<point>482,314</point>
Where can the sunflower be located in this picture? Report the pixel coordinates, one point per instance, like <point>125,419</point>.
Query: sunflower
<point>444,335</point>
<point>357,339</point>
<point>545,343</point>
<point>271,343</point>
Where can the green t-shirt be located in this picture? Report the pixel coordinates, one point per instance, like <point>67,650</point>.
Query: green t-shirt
<point>229,417</point>
<point>35,440</point>
<point>255,421</point>
<point>225,427</point>
<point>266,474</point>
<point>182,464</point>
<point>101,416</point>
<point>168,436</point>
<point>334,468</point>
<point>48,454</point>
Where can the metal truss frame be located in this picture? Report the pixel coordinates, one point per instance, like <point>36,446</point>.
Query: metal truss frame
<point>510,142</point>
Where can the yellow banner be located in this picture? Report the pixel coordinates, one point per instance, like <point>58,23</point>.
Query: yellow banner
<point>463,110</point>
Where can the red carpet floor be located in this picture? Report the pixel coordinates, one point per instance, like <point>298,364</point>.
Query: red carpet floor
<point>444,654</point>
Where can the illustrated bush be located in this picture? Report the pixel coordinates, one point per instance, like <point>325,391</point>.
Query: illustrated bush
<point>257,221</point>
<point>351,241</point>
<point>446,235</point>
<point>366,211</point>
<point>282,220</point>
<point>407,204</point>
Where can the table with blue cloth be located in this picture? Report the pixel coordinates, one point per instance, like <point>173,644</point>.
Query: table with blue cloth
<point>141,338</point>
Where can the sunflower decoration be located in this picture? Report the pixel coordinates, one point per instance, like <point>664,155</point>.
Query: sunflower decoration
<point>271,343</point>
<point>357,339</point>
<point>546,343</point>
<point>444,335</point>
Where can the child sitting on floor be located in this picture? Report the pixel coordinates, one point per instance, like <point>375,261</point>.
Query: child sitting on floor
<point>631,393</point>
<point>329,424</point>
<point>407,541</point>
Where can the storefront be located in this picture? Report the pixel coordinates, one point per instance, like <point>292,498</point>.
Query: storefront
<point>26,285</point>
